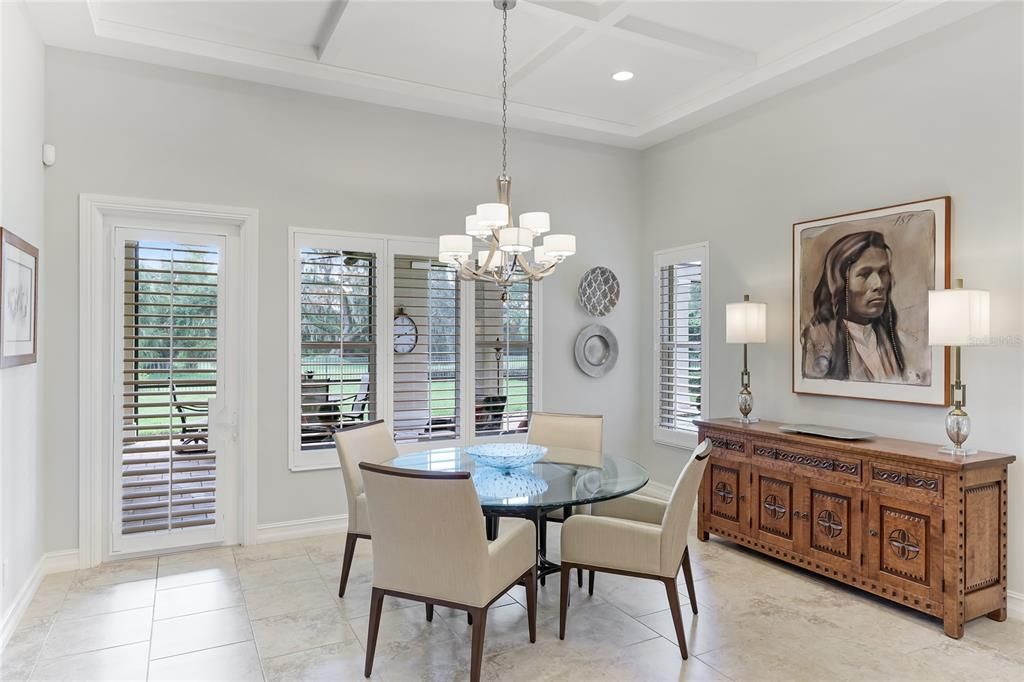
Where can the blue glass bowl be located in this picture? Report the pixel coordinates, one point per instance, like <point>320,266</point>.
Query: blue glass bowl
<point>494,483</point>
<point>506,455</point>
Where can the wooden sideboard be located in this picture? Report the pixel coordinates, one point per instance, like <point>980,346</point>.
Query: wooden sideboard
<point>892,517</point>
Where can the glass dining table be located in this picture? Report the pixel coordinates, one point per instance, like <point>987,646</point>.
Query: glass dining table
<point>565,478</point>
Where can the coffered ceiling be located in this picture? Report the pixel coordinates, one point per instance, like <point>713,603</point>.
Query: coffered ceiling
<point>693,61</point>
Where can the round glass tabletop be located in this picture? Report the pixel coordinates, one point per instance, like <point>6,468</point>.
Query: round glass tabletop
<point>564,477</point>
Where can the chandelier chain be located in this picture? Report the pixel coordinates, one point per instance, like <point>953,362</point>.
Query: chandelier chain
<point>504,89</point>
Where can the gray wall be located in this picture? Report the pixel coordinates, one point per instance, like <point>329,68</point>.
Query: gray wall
<point>940,115</point>
<point>137,130</point>
<point>21,199</point>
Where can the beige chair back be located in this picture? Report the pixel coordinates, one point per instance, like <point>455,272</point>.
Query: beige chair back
<point>370,442</point>
<point>570,438</point>
<point>676,523</point>
<point>428,532</point>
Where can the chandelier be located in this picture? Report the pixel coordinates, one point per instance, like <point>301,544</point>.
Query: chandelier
<point>503,260</point>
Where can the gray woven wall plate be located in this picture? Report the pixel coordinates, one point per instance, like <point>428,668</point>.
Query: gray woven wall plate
<point>596,350</point>
<point>599,291</point>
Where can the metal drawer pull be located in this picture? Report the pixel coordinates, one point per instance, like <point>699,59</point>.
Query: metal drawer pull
<point>872,532</point>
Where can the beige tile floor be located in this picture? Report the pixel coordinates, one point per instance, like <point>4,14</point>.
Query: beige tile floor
<point>271,612</point>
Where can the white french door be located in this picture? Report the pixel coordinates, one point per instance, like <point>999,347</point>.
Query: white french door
<point>175,374</point>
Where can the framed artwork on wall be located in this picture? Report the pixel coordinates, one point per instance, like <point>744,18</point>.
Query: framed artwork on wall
<point>860,303</point>
<point>19,299</point>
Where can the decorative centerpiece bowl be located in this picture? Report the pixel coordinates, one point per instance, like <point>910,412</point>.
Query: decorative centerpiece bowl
<point>502,484</point>
<point>506,455</point>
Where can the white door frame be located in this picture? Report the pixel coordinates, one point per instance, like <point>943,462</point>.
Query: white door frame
<point>95,257</point>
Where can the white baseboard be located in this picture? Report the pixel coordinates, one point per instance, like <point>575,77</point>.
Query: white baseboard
<point>1015,605</point>
<point>51,562</point>
<point>302,528</point>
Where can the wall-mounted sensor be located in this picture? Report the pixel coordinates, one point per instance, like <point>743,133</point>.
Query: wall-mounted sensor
<point>49,155</point>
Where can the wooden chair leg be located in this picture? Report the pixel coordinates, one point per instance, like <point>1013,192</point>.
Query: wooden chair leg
<point>688,577</point>
<point>469,617</point>
<point>677,616</point>
<point>376,606</point>
<point>531,602</point>
<point>590,583</point>
<point>579,577</point>
<point>346,564</point>
<point>563,597</point>
<point>477,658</point>
<point>430,613</point>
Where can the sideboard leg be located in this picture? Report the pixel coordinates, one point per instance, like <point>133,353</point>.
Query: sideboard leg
<point>953,627</point>
<point>998,615</point>
<point>703,536</point>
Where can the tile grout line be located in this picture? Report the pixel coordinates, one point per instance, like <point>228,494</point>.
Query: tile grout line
<point>49,630</point>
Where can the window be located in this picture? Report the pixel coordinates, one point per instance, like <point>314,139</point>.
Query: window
<point>380,330</point>
<point>426,371</point>
<point>504,366</point>
<point>681,347</point>
<point>338,364</point>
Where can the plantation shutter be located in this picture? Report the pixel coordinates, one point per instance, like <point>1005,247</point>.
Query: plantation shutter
<point>681,341</point>
<point>170,325</point>
<point>426,379</point>
<point>338,343</point>
<point>503,400</point>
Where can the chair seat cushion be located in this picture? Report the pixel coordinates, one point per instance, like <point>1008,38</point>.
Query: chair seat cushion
<point>606,542</point>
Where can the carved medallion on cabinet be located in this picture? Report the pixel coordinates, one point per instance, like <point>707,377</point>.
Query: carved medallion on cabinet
<point>725,483</point>
<point>904,539</point>
<point>775,507</point>
<point>830,531</point>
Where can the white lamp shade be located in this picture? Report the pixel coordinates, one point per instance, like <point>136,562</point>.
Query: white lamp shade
<point>958,317</point>
<point>560,245</point>
<point>448,258</point>
<point>474,228</point>
<point>492,215</point>
<point>515,239</point>
<point>541,256</point>
<point>497,261</point>
<point>746,322</point>
<point>455,245</point>
<point>537,222</point>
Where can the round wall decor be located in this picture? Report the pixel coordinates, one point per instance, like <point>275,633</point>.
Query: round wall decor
<point>596,350</point>
<point>599,291</point>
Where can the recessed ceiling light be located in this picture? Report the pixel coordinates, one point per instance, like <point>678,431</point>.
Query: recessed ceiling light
<point>622,75</point>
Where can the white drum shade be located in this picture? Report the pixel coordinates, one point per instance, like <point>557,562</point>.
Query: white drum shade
<point>515,239</point>
<point>492,215</point>
<point>746,322</point>
<point>560,245</point>
<point>537,222</point>
<point>496,262</point>
<point>455,245</point>
<point>540,255</point>
<point>474,228</point>
<point>958,317</point>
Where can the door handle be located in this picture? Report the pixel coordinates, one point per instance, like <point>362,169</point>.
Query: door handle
<point>872,532</point>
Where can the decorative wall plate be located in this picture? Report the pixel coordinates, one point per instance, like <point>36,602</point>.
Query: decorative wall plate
<point>596,350</point>
<point>599,291</point>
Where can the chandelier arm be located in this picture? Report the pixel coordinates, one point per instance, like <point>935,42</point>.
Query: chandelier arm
<point>532,272</point>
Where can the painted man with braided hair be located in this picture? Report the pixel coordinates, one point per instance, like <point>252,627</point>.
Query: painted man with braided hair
<point>853,333</point>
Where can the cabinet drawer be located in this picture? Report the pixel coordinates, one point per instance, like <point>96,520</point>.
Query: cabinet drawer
<point>894,479</point>
<point>838,467</point>
<point>727,445</point>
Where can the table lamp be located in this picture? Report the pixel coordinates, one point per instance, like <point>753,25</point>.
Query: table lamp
<point>745,323</point>
<point>958,317</point>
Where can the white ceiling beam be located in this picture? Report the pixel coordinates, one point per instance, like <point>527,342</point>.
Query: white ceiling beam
<point>613,18</point>
<point>686,41</point>
<point>546,54</point>
<point>327,40</point>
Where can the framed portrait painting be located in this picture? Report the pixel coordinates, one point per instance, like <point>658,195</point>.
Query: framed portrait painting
<point>19,299</point>
<point>860,303</point>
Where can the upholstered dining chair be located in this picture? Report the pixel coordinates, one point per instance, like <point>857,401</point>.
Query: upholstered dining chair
<point>430,545</point>
<point>369,442</point>
<point>638,537</point>
<point>572,439</point>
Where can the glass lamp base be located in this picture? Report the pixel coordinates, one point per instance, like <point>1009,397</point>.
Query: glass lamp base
<point>746,420</point>
<point>957,452</point>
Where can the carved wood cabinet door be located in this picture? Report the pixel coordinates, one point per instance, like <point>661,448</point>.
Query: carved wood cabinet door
<point>833,524</point>
<point>726,494</point>
<point>904,545</point>
<point>775,509</point>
